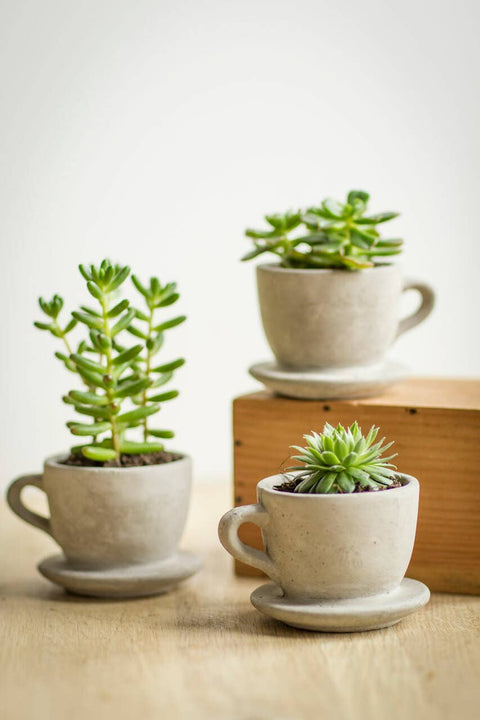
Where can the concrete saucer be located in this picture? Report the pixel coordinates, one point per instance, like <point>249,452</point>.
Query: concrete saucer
<point>353,615</point>
<point>121,582</point>
<point>329,384</point>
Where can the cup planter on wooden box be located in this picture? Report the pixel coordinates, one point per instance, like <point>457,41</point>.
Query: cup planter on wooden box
<point>330,307</point>
<point>117,506</point>
<point>436,426</point>
<point>338,535</point>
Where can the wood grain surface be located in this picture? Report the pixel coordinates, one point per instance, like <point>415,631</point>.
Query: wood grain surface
<point>202,651</point>
<point>436,427</point>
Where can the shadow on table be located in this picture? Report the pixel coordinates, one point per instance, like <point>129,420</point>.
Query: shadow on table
<point>184,610</point>
<point>242,622</point>
<point>38,592</point>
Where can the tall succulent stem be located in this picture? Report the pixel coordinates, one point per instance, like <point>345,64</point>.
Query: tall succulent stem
<point>114,373</point>
<point>156,296</point>
<point>148,367</point>
<point>109,366</point>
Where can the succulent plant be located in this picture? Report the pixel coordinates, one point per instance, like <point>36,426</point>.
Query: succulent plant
<point>342,460</point>
<point>113,372</point>
<point>331,235</point>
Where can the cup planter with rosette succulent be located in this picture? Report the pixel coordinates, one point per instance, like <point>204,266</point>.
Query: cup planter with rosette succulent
<point>118,498</point>
<point>331,298</point>
<point>338,525</point>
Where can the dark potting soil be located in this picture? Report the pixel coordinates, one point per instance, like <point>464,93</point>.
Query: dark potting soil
<point>289,485</point>
<point>155,458</point>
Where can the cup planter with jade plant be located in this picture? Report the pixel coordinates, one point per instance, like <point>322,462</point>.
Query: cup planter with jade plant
<point>118,502</point>
<point>330,302</point>
<point>338,528</point>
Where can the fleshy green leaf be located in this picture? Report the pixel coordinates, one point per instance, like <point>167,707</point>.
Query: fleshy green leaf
<point>88,398</point>
<point>169,367</point>
<point>70,325</point>
<point>390,243</point>
<point>377,219</point>
<point>123,323</point>
<point>92,378</point>
<point>170,323</point>
<point>254,253</point>
<point>383,251</point>
<point>128,355</point>
<point>84,363</point>
<point>94,290</point>
<point>163,397</point>
<point>155,343</point>
<point>165,434</point>
<point>345,482</point>
<point>135,331</point>
<point>357,195</point>
<point>141,288</point>
<point>138,414</point>
<point>361,240</point>
<point>118,308</point>
<point>93,429</point>
<point>101,413</point>
<point>90,311</point>
<point>333,208</point>
<point>133,388</point>
<point>262,234</point>
<point>141,316</point>
<point>137,448</point>
<point>119,278</point>
<point>89,320</point>
<point>325,484</point>
<point>162,379</point>
<point>85,272</point>
<point>168,301</point>
<point>99,454</point>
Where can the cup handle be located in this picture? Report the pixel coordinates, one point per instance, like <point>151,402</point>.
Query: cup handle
<point>228,534</point>
<point>14,499</point>
<point>426,305</point>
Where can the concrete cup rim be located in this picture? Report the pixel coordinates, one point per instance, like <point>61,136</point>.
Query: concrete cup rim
<point>277,268</point>
<point>55,461</point>
<point>266,485</point>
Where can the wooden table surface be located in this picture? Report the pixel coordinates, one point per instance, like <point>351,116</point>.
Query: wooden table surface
<point>202,651</point>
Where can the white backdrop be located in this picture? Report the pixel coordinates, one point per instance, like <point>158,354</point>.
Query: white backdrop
<point>155,131</point>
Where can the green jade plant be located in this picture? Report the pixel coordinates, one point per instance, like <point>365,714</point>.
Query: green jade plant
<point>342,460</point>
<point>114,373</point>
<point>332,235</point>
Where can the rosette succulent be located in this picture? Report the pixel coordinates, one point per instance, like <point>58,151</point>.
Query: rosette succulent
<point>117,380</point>
<point>330,235</point>
<point>343,460</point>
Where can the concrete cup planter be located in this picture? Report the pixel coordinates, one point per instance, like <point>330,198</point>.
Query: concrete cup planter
<point>117,527</point>
<point>337,561</point>
<point>317,319</point>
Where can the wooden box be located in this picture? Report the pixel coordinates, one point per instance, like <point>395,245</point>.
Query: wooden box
<point>436,427</point>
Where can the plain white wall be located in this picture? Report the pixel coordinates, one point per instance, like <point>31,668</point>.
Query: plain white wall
<point>154,132</point>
